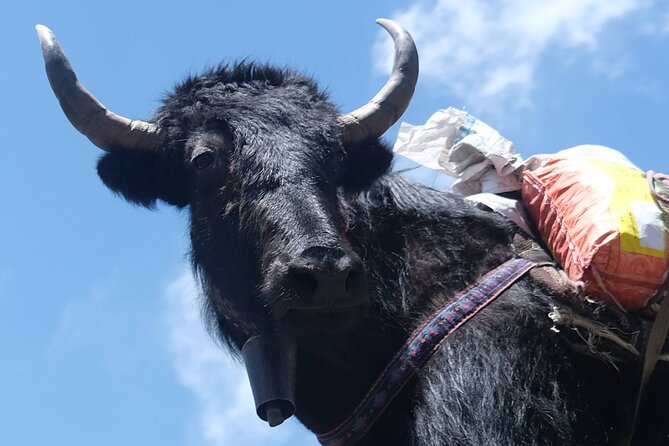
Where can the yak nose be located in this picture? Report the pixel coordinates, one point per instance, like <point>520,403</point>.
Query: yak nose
<point>323,276</point>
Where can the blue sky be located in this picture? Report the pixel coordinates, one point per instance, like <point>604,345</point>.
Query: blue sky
<point>100,341</point>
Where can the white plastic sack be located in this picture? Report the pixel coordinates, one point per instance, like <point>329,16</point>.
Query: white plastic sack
<point>456,144</point>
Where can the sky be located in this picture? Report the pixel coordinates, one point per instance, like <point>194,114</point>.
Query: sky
<point>100,335</point>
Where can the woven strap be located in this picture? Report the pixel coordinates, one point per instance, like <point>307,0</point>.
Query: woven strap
<point>656,340</point>
<point>420,346</point>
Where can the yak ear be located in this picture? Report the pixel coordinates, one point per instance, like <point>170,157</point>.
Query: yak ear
<point>364,163</point>
<point>143,177</point>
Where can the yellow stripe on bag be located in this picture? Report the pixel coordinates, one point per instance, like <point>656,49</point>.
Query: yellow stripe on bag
<point>632,206</point>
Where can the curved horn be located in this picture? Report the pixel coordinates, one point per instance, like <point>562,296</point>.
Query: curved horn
<point>103,127</point>
<point>374,118</point>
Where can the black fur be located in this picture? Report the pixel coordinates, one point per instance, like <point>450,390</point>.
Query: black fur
<point>281,182</point>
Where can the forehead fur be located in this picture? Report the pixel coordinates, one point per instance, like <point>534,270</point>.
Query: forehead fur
<point>227,92</point>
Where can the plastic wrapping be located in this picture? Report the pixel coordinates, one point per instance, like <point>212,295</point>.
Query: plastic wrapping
<point>456,144</point>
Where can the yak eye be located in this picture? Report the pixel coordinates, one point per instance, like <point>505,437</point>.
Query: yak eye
<point>203,159</point>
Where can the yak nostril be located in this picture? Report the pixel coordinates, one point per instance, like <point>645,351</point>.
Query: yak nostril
<point>352,280</point>
<point>305,282</point>
<point>323,277</point>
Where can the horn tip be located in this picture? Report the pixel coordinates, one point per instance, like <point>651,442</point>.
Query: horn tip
<point>392,27</point>
<point>43,30</point>
<point>46,36</point>
<point>386,23</point>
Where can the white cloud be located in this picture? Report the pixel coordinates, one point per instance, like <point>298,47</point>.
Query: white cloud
<point>220,387</point>
<point>487,51</point>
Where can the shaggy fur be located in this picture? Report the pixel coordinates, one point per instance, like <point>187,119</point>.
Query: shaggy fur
<point>276,180</point>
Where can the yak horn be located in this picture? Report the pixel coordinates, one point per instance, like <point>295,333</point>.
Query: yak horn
<point>374,118</point>
<point>103,127</point>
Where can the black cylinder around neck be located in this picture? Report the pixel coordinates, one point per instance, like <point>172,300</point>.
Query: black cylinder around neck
<point>270,364</point>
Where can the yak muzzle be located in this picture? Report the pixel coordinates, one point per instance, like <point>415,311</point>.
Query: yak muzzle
<point>325,287</point>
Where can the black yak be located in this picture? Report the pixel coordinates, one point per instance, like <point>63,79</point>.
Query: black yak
<point>299,228</point>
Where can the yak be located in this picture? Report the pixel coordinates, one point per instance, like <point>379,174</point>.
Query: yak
<point>299,227</point>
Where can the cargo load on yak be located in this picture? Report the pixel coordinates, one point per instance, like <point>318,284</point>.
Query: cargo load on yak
<point>603,220</point>
<point>600,216</point>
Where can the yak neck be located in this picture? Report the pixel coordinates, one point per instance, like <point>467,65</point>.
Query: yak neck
<point>419,248</point>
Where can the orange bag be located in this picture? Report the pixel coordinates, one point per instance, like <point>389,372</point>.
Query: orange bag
<point>595,212</point>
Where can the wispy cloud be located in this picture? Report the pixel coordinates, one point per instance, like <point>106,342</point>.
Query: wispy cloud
<point>487,51</point>
<point>83,321</point>
<point>226,410</point>
<point>657,21</point>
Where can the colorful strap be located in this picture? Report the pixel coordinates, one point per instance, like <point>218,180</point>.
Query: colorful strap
<point>420,346</point>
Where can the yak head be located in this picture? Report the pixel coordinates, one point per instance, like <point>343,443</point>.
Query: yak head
<point>261,159</point>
